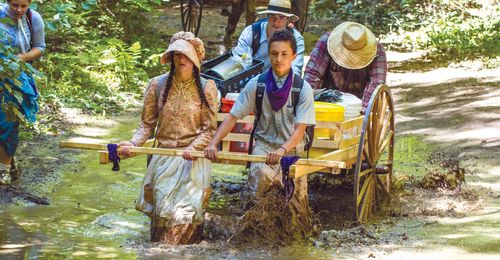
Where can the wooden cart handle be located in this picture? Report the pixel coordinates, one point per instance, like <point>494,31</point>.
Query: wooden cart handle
<point>221,156</point>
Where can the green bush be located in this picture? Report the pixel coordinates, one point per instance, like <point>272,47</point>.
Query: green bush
<point>455,29</point>
<point>457,35</point>
<point>377,15</point>
<point>97,58</point>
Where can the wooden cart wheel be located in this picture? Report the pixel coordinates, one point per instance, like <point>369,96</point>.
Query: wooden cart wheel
<point>301,9</point>
<point>303,20</point>
<point>375,153</point>
<point>191,15</point>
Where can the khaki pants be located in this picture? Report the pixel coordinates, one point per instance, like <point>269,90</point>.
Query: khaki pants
<point>263,176</point>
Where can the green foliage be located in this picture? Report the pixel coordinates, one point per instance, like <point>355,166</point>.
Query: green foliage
<point>459,35</point>
<point>99,57</point>
<point>378,15</point>
<point>96,18</point>
<point>123,60</point>
<point>102,78</point>
<point>455,29</point>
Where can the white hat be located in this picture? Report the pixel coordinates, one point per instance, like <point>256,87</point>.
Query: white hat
<point>283,7</point>
<point>187,44</point>
<point>352,45</point>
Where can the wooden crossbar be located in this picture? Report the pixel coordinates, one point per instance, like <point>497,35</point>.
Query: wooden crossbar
<point>221,156</point>
<point>343,155</point>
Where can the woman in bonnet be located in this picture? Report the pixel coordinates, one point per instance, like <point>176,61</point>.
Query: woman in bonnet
<point>180,109</point>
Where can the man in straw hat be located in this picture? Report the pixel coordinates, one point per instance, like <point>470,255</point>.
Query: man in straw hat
<point>348,59</point>
<point>180,108</point>
<point>279,17</point>
<point>280,122</point>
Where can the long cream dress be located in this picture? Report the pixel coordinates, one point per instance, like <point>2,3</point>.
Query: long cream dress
<point>175,191</point>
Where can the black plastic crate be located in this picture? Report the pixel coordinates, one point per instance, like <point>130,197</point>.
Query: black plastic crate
<point>235,83</point>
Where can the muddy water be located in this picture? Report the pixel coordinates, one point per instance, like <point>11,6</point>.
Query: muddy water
<point>92,215</point>
<point>91,212</point>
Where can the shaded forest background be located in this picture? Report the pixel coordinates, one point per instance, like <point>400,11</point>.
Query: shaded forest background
<point>100,53</point>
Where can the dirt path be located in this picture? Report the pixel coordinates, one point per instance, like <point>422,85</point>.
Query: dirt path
<point>456,110</point>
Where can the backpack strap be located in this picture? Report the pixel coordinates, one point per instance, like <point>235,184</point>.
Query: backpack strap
<point>162,83</point>
<point>298,83</point>
<point>256,34</point>
<point>29,20</point>
<point>259,96</point>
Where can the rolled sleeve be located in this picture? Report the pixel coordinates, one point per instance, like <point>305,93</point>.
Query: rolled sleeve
<point>149,115</point>
<point>245,103</point>
<point>244,41</point>
<point>305,113</point>
<point>298,63</point>
<point>378,75</point>
<point>38,36</point>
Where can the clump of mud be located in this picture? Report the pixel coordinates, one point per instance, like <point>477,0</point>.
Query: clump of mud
<point>446,173</point>
<point>272,222</point>
<point>442,192</point>
<point>349,237</point>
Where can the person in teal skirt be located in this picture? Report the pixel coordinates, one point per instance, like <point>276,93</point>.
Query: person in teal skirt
<point>22,29</point>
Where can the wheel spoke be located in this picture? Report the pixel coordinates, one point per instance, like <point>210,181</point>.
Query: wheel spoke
<point>363,173</point>
<point>367,202</point>
<point>367,155</point>
<point>381,186</point>
<point>385,127</point>
<point>363,210</point>
<point>385,142</point>
<point>190,18</point>
<point>363,189</point>
<point>195,21</point>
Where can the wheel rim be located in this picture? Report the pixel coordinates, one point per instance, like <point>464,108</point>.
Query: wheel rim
<point>191,11</point>
<point>304,19</point>
<point>375,153</point>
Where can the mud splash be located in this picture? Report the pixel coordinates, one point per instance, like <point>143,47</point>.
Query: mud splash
<point>272,222</point>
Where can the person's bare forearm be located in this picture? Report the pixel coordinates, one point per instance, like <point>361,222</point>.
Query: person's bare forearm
<point>295,138</point>
<point>32,55</point>
<point>224,129</point>
<point>273,157</point>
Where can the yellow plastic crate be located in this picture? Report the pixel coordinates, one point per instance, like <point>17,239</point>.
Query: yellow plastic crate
<point>327,112</point>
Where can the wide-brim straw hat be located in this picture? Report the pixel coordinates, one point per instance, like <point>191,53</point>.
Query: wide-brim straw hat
<point>283,7</point>
<point>187,44</point>
<point>352,45</point>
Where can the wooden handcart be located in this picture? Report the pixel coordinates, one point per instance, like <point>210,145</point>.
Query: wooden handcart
<point>363,145</point>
